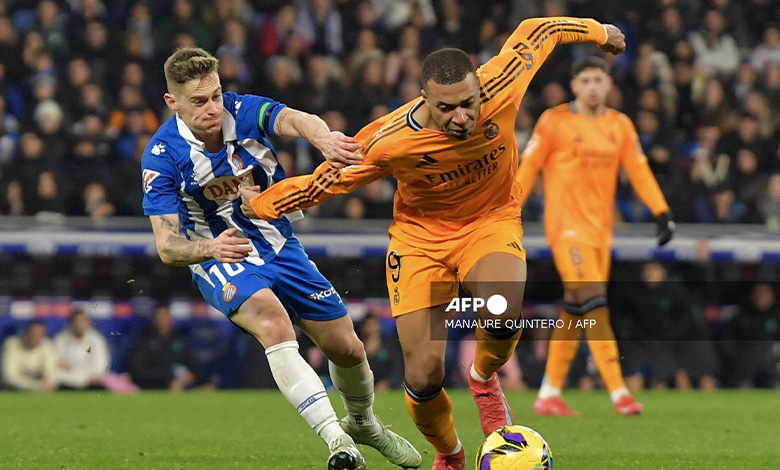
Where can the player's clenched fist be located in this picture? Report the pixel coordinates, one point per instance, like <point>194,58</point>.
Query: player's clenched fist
<point>338,149</point>
<point>228,248</point>
<point>247,193</point>
<point>616,41</point>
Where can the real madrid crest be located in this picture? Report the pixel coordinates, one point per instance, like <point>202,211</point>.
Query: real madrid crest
<point>491,129</point>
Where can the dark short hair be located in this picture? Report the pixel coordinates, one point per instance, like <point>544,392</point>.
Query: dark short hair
<point>29,326</point>
<point>590,62</point>
<point>75,312</point>
<point>447,66</point>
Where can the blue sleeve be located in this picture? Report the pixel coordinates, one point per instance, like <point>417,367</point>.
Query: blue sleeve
<point>159,180</point>
<point>255,115</point>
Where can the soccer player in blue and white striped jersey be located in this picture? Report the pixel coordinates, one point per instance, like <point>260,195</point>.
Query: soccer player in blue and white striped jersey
<point>253,271</point>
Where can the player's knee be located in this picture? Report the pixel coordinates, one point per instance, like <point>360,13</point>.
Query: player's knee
<point>586,307</point>
<point>425,377</point>
<point>344,349</point>
<point>269,326</point>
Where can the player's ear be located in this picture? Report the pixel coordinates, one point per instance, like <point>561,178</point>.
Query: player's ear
<point>170,100</point>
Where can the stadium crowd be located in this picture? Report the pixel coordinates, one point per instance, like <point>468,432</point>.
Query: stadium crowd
<point>667,340</point>
<point>81,89</point>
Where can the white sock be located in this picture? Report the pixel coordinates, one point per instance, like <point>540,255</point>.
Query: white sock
<point>457,448</point>
<point>301,386</point>
<point>475,375</point>
<point>356,387</point>
<point>617,393</point>
<point>548,391</point>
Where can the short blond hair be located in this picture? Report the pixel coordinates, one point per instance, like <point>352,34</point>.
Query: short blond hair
<point>188,63</point>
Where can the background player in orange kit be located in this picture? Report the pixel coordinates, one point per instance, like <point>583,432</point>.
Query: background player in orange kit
<point>580,147</point>
<point>455,158</point>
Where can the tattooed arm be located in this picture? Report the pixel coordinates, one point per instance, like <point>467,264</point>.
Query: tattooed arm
<point>338,149</point>
<point>176,250</point>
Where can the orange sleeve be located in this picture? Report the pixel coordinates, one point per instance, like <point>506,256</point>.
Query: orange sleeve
<point>642,179</point>
<point>302,192</point>
<point>527,48</point>
<point>533,158</point>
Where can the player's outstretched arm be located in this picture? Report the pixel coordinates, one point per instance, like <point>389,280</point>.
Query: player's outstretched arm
<point>302,192</point>
<point>509,73</point>
<point>338,149</point>
<point>178,251</point>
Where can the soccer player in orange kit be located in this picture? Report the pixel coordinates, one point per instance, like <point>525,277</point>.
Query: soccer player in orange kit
<point>455,158</point>
<point>580,146</point>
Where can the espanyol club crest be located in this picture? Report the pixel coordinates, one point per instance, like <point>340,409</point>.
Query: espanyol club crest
<point>238,164</point>
<point>229,291</point>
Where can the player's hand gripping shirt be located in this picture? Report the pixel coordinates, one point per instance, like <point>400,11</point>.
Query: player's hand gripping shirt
<point>444,183</point>
<point>581,157</point>
<point>180,177</point>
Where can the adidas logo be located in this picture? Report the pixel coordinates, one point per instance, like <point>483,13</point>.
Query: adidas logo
<point>426,160</point>
<point>515,245</point>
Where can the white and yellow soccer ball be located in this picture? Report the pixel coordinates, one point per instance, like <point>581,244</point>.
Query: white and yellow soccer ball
<point>514,448</point>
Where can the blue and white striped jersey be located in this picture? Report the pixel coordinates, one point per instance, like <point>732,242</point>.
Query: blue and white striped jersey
<point>180,177</point>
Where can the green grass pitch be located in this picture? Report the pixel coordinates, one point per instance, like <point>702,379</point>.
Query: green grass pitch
<point>260,430</point>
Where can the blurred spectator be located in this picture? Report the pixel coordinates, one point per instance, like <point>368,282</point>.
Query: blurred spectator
<point>323,92</point>
<point>668,343</point>
<point>275,31</point>
<point>160,358</point>
<point>96,202</point>
<point>769,205</point>
<point>9,135</point>
<point>98,51</point>
<point>82,354</point>
<point>748,183</point>
<point>283,75</point>
<point>140,27</point>
<point>524,127</point>
<point>51,25</point>
<point>752,333</point>
<point>768,51</point>
<point>128,201</point>
<point>770,90</point>
<point>383,353</point>
<point>378,199</point>
<point>319,25</point>
<point>671,181</point>
<point>686,113</point>
<point>29,361</point>
<point>716,50</point>
<point>671,30</point>
<point>683,71</point>
<point>354,208</point>
<point>745,81</point>
<point>183,20</point>
<point>130,101</point>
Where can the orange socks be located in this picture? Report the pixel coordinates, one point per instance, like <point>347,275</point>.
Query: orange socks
<point>603,346</point>
<point>562,348</point>
<point>492,352</point>
<point>433,417</point>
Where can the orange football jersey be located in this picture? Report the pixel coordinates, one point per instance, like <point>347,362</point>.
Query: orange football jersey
<point>443,183</point>
<point>580,158</point>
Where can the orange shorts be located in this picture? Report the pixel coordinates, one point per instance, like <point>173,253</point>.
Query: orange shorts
<point>423,275</point>
<point>578,264</point>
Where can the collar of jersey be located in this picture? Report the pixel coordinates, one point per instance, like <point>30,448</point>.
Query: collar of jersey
<point>228,130</point>
<point>410,120</point>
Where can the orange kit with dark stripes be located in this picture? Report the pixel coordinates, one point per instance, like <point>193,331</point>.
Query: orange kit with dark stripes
<point>454,201</point>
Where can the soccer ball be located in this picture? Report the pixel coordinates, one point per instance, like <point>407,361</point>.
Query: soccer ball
<point>514,448</point>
